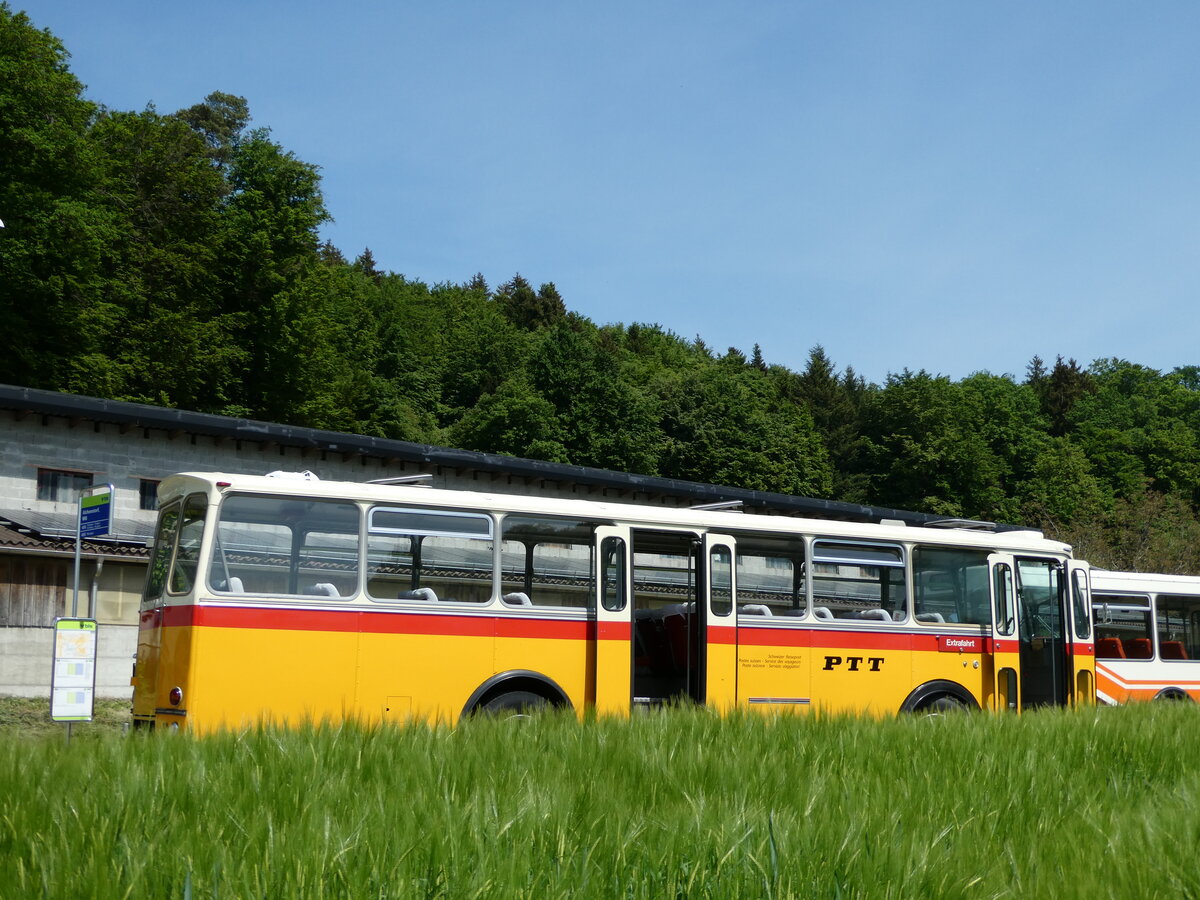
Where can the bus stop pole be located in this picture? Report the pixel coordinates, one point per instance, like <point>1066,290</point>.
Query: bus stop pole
<point>75,583</point>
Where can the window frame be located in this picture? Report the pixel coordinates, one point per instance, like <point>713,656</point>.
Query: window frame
<point>294,551</point>
<point>370,530</point>
<point>1140,602</point>
<point>73,474</point>
<point>901,563</point>
<point>531,556</point>
<point>1193,616</point>
<point>142,496</point>
<point>772,547</point>
<point>959,600</point>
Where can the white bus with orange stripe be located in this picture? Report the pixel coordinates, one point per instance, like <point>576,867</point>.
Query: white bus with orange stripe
<point>287,599</point>
<point>1147,636</point>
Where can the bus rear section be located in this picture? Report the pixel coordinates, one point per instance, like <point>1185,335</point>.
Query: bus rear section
<point>1147,636</point>
<point>163,653</point>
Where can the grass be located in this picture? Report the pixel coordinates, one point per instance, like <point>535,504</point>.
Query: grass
<point>31,716</point>
<point>1092,803</point>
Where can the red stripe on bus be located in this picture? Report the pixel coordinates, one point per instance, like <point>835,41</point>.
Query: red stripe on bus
<point>175,616</point>
<point>612,631</point>
<point>521,627</point>
<point>722,634</point>
<point>829,638</point>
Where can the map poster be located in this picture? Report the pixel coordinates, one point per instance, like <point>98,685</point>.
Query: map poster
<point>73,678</point>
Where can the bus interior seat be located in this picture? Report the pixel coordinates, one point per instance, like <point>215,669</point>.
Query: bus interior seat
<point>678,609</point>
<point>1172,650</point>
<point>231,586</point>
<point>1138,648</point>
<point>879,615</point>
<point>756,609</point>
<point>822,612</point>
<point>323,589</point>
<point>517,598</point>
<point>641,653</point>
<point>1110,648</point>
<point>931,617</point>
<point>795,612</point>
<point>419,594</point>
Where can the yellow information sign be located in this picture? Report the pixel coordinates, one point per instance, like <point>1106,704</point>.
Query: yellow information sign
<point>73,679</point>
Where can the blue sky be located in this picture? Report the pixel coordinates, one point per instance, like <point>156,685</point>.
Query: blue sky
<point>954,186</point>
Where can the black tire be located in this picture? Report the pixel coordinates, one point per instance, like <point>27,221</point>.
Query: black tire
<point>1173,695</point>
<point>943,705</point>
<point>515,703</point>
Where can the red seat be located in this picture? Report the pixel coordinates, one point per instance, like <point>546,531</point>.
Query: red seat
<point>676,627</point>
<point>1138,648</point>
<point>1172,650</point>
<point>1109,648</point>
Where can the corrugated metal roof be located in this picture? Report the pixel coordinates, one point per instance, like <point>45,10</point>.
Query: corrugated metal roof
<point>62,525</point>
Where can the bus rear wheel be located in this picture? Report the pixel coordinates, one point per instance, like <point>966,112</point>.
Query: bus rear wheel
<point>514,704</point>
<point>1172,694</point>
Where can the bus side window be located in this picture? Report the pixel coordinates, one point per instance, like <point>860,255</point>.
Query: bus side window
<point>546,561</point>
<point>429,555</point>
<point>612,573</point>
<point>1006,617</point>
<point>770,576</point>
<point>950,585</point>
<point>283,546</point>
<point>1177,619</point>
<point>1122,626</point>
<point>164,547</point>
<point>1081,604</point>
<point>860,581</point>
<point>187,555</point>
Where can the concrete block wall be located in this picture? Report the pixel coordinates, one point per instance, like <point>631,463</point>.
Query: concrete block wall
<point>125,456</point>
<point>28,658</point>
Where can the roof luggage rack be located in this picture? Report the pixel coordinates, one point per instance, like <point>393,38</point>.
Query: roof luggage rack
<point>729,505</point>
<point>421,480</point>
<point>965,524</point>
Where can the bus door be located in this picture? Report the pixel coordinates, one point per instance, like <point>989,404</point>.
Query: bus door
<point>1006,655</point>
<point>612,637</point>
<point>1043,628</point>
<point>669,615</point>
<point>1082,648</point>
<point>718,628</point>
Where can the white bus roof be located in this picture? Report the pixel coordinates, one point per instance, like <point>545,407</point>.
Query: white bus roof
<point>645,515</point>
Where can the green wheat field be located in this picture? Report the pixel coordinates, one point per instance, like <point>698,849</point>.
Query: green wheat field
<point>679,803</point>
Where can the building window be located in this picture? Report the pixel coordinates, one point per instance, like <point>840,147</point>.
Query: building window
<point>147,494</point>
<point>53,484</point>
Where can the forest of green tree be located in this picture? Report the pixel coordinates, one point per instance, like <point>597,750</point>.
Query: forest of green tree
<point>175,259</point>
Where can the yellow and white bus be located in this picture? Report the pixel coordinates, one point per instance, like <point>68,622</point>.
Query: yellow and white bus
<point>288,599</point>
<point>1147,636</point>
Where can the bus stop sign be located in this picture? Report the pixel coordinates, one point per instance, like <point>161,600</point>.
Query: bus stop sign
<point>95,513</point>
